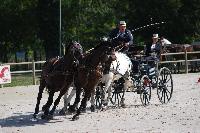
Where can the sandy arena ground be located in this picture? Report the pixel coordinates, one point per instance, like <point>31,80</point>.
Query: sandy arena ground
<point>181,114</point>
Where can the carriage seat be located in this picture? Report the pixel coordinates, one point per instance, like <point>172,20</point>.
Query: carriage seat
<point>144,65</point>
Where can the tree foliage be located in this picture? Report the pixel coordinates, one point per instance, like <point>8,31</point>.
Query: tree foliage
<point>34,24</point>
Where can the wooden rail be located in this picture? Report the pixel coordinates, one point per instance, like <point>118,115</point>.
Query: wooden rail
<point>185,60</point>
<point>33,71</point>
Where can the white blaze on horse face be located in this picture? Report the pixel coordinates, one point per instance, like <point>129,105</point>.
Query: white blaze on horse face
<point>122,63</point>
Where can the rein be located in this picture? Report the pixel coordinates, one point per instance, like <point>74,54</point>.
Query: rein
<point>60,73</point>
<point>120,47</point>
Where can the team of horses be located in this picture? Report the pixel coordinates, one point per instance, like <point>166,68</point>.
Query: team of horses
<point>84,71</point>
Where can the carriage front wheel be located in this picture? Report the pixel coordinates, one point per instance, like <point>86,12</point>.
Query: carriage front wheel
<point>165,85</point>
<point>118,91</point>
<point>145,90</point>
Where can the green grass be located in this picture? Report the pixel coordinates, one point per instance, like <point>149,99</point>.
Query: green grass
<point>20,80</point>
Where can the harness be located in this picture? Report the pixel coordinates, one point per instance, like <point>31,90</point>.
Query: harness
<point>58,68</point>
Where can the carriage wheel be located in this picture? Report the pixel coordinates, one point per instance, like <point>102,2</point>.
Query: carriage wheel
<point>98,97</point>
<point>145,90</point>
<point>165,85</point>
<point>117,95</point>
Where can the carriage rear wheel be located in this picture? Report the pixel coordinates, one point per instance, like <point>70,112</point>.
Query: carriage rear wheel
<point>165,85</point>
<point>145,90</point>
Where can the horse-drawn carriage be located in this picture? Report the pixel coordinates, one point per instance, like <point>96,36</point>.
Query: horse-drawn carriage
<point>86,75</point>
<point>145,76</point>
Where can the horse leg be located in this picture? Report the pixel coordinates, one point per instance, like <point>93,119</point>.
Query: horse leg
<point>107,79</point>
<point>109,92</point>
<point>83,105</point>
<point>86,98</point>
<point>49,101</point>
<point>106,94</point>
<point>67,100</point>
<point>41,89</point>
<point>62,92</point>
<point>48,104</point>
<point>92,101</point>
<point>72,108</point>
<point>196,66</point>
<point>178,67</point>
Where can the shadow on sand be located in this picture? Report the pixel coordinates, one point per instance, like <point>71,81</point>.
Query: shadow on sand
<point>26,119</point>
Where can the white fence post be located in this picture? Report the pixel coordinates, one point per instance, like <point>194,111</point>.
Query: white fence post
<point>33,68</point>
<point>186,62</point>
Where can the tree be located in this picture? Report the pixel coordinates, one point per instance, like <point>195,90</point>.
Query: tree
<point>17,26</point>
<point>48,21</point>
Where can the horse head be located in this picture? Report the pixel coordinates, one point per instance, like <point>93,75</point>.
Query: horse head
<point>113,48</point>
<point>75,50</point>
<point>108,54</point>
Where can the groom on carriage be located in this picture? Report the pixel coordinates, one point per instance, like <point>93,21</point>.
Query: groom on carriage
<point>154,48</point>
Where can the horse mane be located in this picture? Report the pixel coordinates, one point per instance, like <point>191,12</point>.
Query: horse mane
<point>90,51</point>
<point>68,46</point>
<point>98,45</point>
<point>88,54</point>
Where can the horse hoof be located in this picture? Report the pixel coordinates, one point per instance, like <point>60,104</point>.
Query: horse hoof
<point>44,108</point>
<point>75,118</point>
<point>62,112</point>
<point>43,117</point>
<point>35,116</point>
<point>104,108</point>
<point>47,117</point>
<point>123,105</point>
<point>92,108</point>
<point>83,110</point>
<point>71,108</point>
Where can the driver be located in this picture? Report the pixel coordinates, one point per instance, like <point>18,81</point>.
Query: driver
<point>121,34</point>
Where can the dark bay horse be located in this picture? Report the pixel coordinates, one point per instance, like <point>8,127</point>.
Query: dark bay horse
<point>57,75</point>
<point>88,75</point>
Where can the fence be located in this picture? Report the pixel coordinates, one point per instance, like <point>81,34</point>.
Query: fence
<point>33,71</point>
<point>185,60</point>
